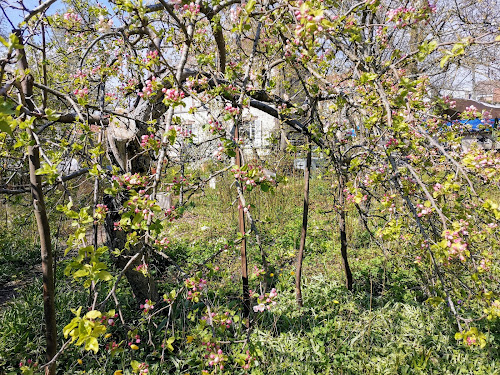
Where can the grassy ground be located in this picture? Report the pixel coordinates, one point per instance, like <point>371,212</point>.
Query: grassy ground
<point>382,327</point>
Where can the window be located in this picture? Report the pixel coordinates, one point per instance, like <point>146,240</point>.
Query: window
<point>252,132</point>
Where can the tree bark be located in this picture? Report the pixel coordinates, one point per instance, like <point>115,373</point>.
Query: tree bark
<point>243,251</point>
<point>143,287</point>
<point>305,212</point>
<point>46,255</point>
<point>343,234</point>
<point>41,221</point>
<point>122,139</point>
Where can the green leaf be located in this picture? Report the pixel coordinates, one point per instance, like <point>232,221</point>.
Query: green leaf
<point>135,365</point>
<point>435,301</point>
<point>92,344</point>
<point>169,342</point>
<point>94,314</point>
<point>104,276</point>
<point>7,107</point>
<point>367,77</point>
<point>51,115</point>
<point>70,327</point>
<point>444,60</point>
<point>5,127</point>
<point>250,6</point>
<point>81,273</point>
<point>14,42</point>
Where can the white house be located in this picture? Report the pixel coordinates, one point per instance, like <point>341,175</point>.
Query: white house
<point>256,129</point>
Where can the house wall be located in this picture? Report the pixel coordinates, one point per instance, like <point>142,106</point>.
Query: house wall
<point>256,129</point>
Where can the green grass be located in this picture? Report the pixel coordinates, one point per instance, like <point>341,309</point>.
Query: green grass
<point>382,327</point>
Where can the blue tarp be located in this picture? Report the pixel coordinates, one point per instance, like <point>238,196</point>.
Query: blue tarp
<point>475,125</point>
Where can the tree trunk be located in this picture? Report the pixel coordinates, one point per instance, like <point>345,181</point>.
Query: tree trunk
<point>143,287</point>
<point>305,212</point>
<point>343,234</point>
<point>241,225</point>
<point>123,138</point>
<point>42,222</point>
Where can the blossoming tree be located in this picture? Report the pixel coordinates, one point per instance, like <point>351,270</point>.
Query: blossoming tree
<point>103,84</point>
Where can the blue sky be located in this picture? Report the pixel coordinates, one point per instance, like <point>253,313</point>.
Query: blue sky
<point>16,16</point>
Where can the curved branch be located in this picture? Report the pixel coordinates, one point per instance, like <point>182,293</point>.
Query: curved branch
<point>39,9</point>
<point>94,42</point>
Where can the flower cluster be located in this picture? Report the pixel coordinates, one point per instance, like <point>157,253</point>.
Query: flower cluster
<point>398,14</point>
<point>100,213</point>
<point>103,26</point>
<point>355,196</point>
<point>29,367</point>
<point>176,4</point>
<point>247,360</point>
<point>149,142</point>
<point>484,163</point>
<point>471,113</point>
<point>265,301</point>
<point>215,126</point>
<point>192,83</point>
<point>147,306</point>
<point>152,86</point>
<point>143,368</point>
<point>179,131</point>
<point>258,271</point>
<point>484,265</point>
<point>151,56</point>
<point>80,75</point>
<point>448,102</point>
<point>231,110</point>
<point>110,96</point>
<point>310,22</point>
<point>130,181</point>
<point>424,210</point>
<point>142,268</point>
<point>403,17</point>
<point>251,176</point>
<point>129,85</point>
<point>217,359</point>
<point>135,340</point>
<point>381,35</point>
<point>191,9</point>
<point>195,286</point>
<point>81,93</point>
<point>282,107</point>
<point>472,337</point>
<point>109,318</point>
<point>170,214</point>
<point>172,96</point>
<point>388,203</point>
<point>163,243</point>
<point>456,245</point>
<point>235,14</point>
<point>218,319</point>
<point>392,143</point>
<point>219,151</point>
<point>72,17</point>
<point>113,347</point>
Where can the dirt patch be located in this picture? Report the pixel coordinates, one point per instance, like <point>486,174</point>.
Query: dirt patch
<point>9,290</point>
